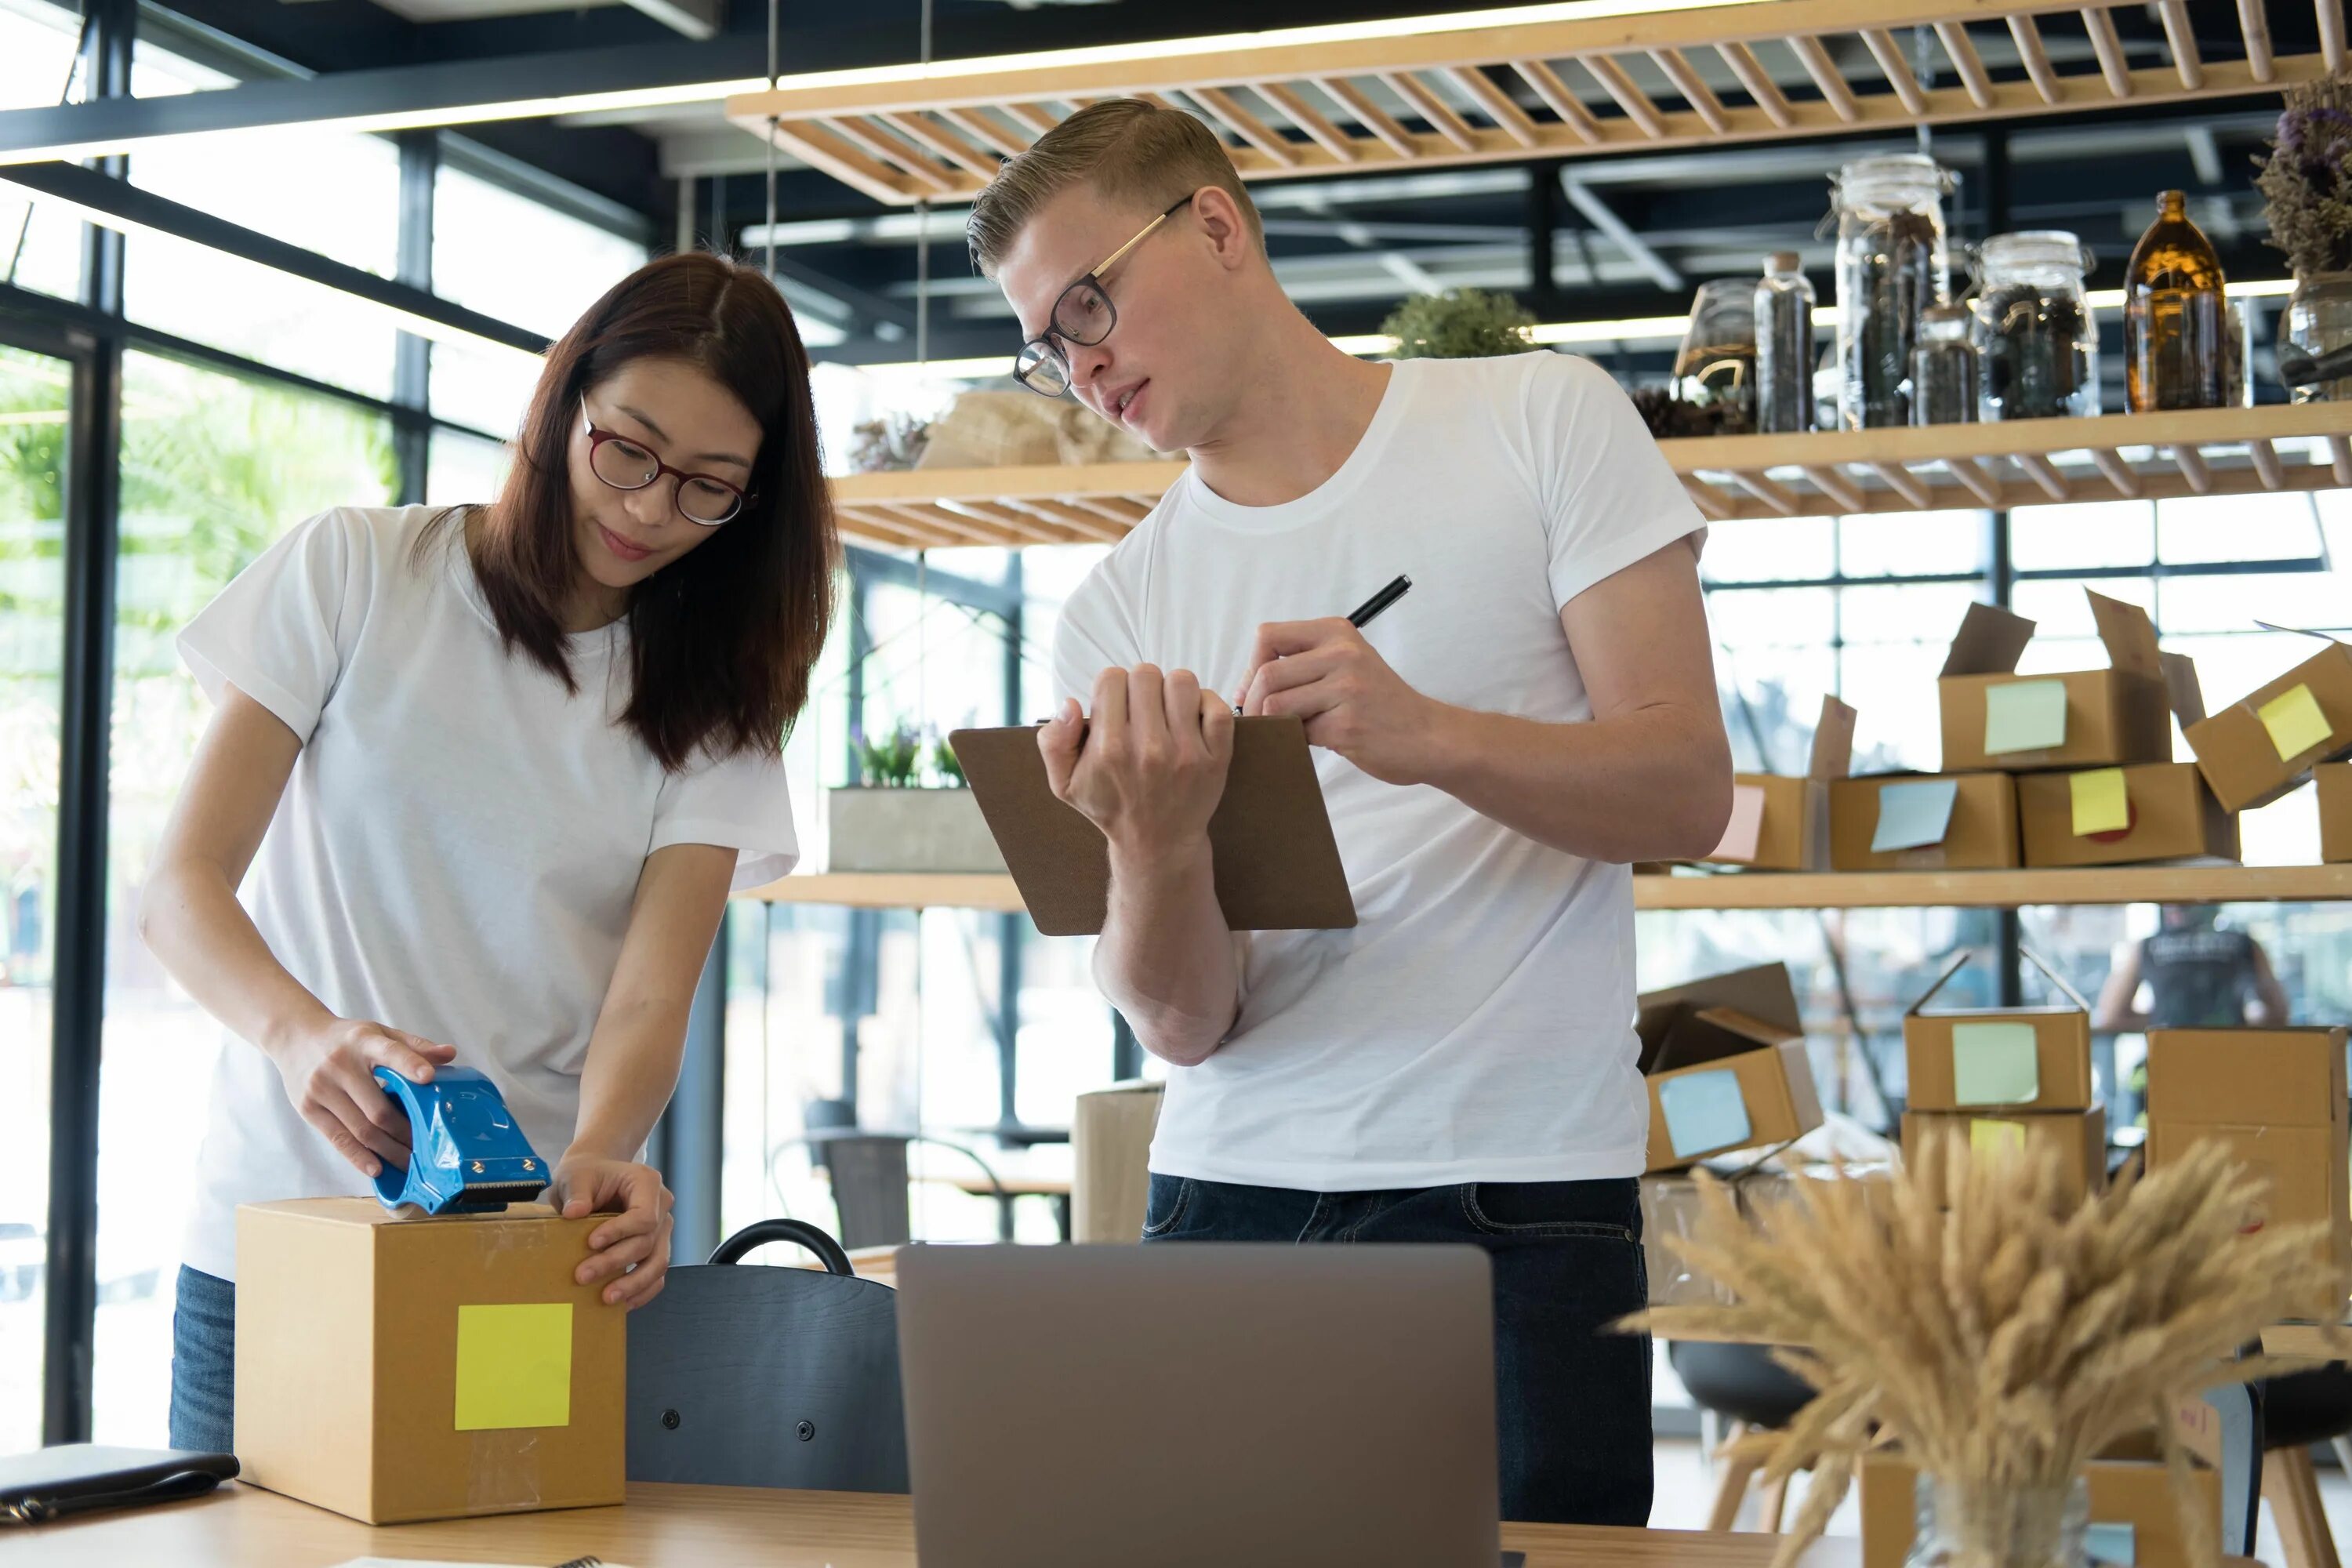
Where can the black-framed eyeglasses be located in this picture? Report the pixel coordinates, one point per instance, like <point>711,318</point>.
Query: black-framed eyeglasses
<point>1083,315</point>
<point>627,464</point>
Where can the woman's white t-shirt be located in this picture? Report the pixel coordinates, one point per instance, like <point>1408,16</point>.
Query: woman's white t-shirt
<point>458,848</point>
<point>1478,1022</point>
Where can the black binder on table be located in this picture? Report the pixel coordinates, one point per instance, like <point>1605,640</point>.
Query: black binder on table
<point>80,1478</point>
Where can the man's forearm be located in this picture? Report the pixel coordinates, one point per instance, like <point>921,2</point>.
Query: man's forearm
<point>1166,956</point>
<point>1653,784</point>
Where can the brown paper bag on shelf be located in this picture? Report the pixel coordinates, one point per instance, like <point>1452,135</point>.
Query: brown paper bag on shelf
<point>994,430</point>
<point>1083,436</point>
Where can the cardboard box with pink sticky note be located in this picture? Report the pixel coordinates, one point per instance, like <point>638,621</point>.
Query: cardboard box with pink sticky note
<point>2255,750</point>
<point>1782,823</point>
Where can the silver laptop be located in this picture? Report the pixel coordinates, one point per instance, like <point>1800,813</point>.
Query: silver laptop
<point>1180,1406</point>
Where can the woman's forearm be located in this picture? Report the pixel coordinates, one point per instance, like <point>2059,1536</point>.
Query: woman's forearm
<point>632,1068</point>
<point>191,919</point>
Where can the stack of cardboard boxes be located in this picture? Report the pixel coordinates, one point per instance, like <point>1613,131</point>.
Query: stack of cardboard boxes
<point>2277,1097</point>
<point>2006,1080</point>
<point>2069,769</point>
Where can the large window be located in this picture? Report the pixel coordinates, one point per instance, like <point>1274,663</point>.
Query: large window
<point>40,248</point>
<point>213,470</point>
<point>33,435</point>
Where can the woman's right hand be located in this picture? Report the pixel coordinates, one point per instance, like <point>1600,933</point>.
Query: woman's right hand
<point>329,1074</point>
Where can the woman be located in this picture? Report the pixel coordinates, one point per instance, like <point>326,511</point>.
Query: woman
<point>494,770</point>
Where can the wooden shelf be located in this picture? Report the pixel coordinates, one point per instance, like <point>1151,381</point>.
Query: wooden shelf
<point>1445,94</point>
<point>1732,891</point>
<point>2027,462</point>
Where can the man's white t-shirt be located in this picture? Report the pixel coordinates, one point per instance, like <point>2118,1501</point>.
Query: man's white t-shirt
<point>1476,1025</point>
<point>458,848</point>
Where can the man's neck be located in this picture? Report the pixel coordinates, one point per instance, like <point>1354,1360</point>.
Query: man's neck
<point>1304,407</point>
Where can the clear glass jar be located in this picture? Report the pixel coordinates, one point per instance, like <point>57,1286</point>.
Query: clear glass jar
<point>1784,346</point>
<point>2036,339</point>
<point>1944,369</point>
<point>2038,1528</point>
<point>1716,365</point>
<point>2318,320</point>
<point>1892,266</point>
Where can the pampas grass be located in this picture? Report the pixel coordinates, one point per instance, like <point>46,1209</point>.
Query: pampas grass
<point>1962,1311</point>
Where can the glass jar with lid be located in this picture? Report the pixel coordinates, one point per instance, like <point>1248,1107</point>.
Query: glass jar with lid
<point>1892,266</point>
<point>2037,342</point>
<point>1944,369</point>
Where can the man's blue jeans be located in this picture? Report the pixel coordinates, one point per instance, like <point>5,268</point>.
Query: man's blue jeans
<point>1572,1400</point>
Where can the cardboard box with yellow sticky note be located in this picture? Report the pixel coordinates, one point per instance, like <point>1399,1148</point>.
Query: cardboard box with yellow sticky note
<point>1904,822</point>
<point>2277,1097</point>
<point>2332,782</point>
<point>1993,717</point>
<point>2254,750</point>
<point>1998,1058</point>
<point>1782,823</point>
<point>2113,817</point>
<point>2076,1139</point>
<point>1727,1066</point>
<point>395,1367</point>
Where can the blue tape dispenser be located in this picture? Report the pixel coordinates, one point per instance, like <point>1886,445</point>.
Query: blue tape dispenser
<point>466,1155</point>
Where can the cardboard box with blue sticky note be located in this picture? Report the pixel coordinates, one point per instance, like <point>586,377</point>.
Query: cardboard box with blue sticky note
<point>2277,1098</point>
<point>2254,750</point>
<point>393,1367</point>
<point>1998,1058</point>
<point>1782,823</point>
<point>1725,1062</point>
<point>1902,822</point>
<point>1993,717</point>
<point>2135,1514</point>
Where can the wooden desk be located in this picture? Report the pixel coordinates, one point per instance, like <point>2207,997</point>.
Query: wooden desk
<point>696,1527</point>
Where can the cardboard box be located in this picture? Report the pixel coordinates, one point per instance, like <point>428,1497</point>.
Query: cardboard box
<point>2130,1491</point>
<point>2256,751</point>
<point>1670,1206</point>
<point>2001,1060</point>
<point>2276,1096</point>
<point>1110,1144</point>
<point>393,1367</point>
<point>1979,830</point>
<point>1788,819</point>
<point>2333,782</point>
<point>1995,718</point>
<point>2168,815</point>
<point>1725,1062</point>
<point>2078,1138</point>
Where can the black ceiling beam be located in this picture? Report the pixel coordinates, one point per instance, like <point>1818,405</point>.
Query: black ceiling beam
<point>72,182</point>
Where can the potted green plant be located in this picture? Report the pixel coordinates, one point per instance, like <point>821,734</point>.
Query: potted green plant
<point>1461,323</point>
<point>910,810</point>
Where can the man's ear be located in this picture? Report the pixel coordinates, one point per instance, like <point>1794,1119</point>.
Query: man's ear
<point>1219,217</point>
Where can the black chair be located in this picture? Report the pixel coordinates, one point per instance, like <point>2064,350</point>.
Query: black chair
<point>1760,1398</point>
<point>2298,1411</point>
<point>768,1377</point>
<point>869,1172</point>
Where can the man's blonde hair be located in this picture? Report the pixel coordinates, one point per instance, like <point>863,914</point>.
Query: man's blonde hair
<point>1128,150</point>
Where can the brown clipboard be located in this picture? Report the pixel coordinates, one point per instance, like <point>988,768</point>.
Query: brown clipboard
<point>1277,864</point>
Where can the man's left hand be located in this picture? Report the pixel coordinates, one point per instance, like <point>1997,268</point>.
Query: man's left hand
<point>629,1254</point>
<point>1324,672</point>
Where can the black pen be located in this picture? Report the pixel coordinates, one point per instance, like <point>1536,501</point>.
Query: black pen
<point>1362,615</point>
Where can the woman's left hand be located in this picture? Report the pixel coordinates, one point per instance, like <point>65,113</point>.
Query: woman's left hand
<point>629,1254</point>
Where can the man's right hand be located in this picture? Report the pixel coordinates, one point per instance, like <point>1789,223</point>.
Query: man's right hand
<point>329,1074</point>
<point>1148,767</point>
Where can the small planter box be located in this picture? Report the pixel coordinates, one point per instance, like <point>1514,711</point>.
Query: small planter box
<point>910,830</point>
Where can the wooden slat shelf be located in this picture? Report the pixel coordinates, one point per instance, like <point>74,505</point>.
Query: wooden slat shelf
<point>1735,891</point>
<point>2027,462</point>
<point>1445,94</point>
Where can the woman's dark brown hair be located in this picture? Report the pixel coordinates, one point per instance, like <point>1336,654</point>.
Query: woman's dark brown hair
<point>722,640</point>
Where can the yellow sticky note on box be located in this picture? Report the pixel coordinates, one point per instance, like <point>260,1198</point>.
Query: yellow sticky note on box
<point>1995,1138</point>
<point>514,1366</point>
<point>2295,721</point>
<point>2101,805</point>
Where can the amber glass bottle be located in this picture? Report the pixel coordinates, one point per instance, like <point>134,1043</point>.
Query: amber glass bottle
<point>2176,322</point>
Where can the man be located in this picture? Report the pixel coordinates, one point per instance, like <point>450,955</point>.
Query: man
<point>2199,974</point>
<point>1538,711</point>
